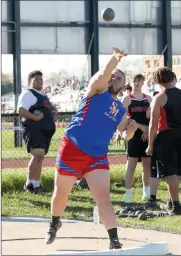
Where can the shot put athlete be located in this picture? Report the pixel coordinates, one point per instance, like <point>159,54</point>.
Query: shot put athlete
<point>83,150</point>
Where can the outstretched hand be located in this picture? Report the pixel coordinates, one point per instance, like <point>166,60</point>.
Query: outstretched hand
<point>121,52</point>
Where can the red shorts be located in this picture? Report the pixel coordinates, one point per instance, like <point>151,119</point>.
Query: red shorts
<point>72,161</point>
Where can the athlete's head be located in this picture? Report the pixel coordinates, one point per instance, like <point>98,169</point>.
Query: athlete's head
<point>174,79</point>
<point>163,76</point>
<point>137,82</point>
<point>116,82</point>
<point>35,80</point>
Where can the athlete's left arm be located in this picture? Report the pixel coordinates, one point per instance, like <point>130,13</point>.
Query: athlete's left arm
<point>154,118</point>
<point>127,128</point>
<point>149,109</point>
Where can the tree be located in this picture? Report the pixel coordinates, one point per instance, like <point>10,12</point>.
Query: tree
<point>6,79</point>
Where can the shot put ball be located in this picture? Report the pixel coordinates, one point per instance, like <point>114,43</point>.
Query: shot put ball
<point>142,216</point>
<point>108,14</point>
<point>37,112</point>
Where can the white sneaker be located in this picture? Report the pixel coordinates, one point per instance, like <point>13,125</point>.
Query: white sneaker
<point>128,198</point>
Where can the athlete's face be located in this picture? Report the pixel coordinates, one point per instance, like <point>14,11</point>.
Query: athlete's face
<point>36,82</point>
<point>137,84</point>
<point>116,82</point>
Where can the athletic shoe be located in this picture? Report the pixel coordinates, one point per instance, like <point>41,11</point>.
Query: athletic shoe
<point>39,190</point>
<point>115,244</point>
<point>51,234</point>
<point>176,209</point>
<point>29,188</point>
<point>167,206</point>
<point>150,204</point>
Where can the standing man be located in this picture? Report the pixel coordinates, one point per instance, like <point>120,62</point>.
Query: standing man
<point>137,105</point>
<point>39,126</point>
<point>154,180</point>
<point>165,134</point>
<point>84,148</point>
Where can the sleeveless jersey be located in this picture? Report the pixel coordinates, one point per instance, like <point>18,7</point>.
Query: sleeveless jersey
<point>45,106</point>
<point>137,109</point>
<point>170,114</point>
<point>95,123</point>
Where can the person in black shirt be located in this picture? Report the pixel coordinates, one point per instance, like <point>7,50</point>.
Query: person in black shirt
<point>137,105</point>
<point>165,135</point>
<point>38,122</point>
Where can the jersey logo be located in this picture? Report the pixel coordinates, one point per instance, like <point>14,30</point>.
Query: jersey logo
<point>114,109</point>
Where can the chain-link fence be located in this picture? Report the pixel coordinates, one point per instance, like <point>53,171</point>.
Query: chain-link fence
<point>15,158</point>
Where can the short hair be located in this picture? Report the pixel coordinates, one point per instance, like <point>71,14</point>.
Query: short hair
<point>117,69</point>
<point>33,74</point>
<point>139,77</point>
<point>174,76</point>
<point>163,75</point>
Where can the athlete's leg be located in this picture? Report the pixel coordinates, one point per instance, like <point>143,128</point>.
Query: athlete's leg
<point>36,145</point>
<point>62,187</point>
<point>173,203</point>
<point>154,183</point>
<point>146,177</point>
<point>169,163</point>
<point>130,169</point>
<point>173,187</point>
<point>99,184</point>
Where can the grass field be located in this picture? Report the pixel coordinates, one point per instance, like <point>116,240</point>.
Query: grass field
<point>17,203</point>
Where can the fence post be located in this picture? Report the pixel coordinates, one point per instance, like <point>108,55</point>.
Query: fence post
<point>16,47</point>
<point>18,140</point>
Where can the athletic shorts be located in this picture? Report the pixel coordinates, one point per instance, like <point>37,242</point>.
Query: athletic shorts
<point>136,147</point>
<point>166,158</point>
<point>72,161</point>
<point>37,138</point>
<point>154,165</point>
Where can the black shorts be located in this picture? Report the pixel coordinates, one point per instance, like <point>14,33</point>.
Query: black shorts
<point>37,138</point>
<point>136,147</point>
<point>166,158</point>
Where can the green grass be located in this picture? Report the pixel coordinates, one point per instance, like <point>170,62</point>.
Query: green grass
<point>10,152</point>
<point>17,203</point>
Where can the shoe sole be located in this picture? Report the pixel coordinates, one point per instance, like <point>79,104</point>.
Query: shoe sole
<point>52,240</point>
<point>116,248</point>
